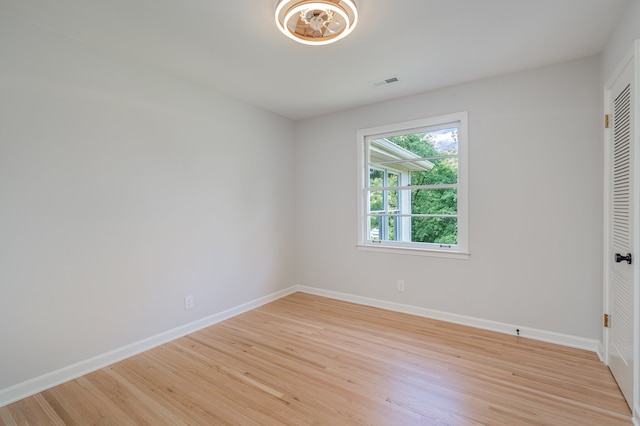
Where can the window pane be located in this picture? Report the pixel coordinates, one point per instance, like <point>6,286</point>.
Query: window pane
<point>393,201</point>
<point>415,144</point>
<point>393,179</point>
<point>376,201</point>
<point>443,172</point>
<point>436,230</point>
<point>374,228</point>
<point>433,143</point>
<point>434,201</point>
<point>384,201</point>
<point>375,177</point>
<point>445,141</point>
<point>392,222</point>
<point>384,228</point>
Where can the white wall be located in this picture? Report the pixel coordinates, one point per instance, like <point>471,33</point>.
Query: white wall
<point>535,203</point>
<point>121,191</point>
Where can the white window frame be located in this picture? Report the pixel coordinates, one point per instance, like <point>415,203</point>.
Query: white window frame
<point>458,251</point>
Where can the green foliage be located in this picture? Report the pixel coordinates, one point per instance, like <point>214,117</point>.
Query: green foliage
<point>439,230</point>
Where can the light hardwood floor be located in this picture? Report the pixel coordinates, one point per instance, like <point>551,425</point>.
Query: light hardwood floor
<point>309,360</point>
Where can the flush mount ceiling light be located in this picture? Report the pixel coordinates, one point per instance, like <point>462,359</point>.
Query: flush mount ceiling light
<point>316,22</point>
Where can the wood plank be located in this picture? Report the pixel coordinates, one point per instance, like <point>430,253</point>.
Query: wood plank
<point>305,359</point>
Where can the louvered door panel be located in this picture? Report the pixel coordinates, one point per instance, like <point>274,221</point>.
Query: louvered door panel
<point>622,171</point>
<point>621,314</point>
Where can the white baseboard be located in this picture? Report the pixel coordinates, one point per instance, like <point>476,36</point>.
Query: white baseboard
<point>531,333</point>
<point>600,352</point>
<point>54,378</point>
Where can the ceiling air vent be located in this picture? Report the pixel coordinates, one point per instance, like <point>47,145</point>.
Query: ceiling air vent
<point>383,81</point>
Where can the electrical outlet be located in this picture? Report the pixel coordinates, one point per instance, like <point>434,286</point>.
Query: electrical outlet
<point>400,285</point>
<point>188,302</point>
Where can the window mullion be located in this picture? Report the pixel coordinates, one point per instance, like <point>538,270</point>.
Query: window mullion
<point>440,157</point>
<point>411,187</point>
<point>384,225</point>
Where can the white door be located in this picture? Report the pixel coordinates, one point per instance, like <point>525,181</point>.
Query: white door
<point>620,262</point>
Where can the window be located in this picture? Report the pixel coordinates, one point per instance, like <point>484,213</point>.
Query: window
<point>413,187</point>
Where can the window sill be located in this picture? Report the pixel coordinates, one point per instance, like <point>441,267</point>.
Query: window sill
<point>415,251</point>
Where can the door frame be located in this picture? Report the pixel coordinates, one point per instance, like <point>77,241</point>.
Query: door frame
<point>632,58</point>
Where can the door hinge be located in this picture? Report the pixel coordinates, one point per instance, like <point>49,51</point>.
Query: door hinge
<point>606,320</point>
<point>606,121</point>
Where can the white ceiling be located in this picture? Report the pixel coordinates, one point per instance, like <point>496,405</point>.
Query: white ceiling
<point>234,46</point>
